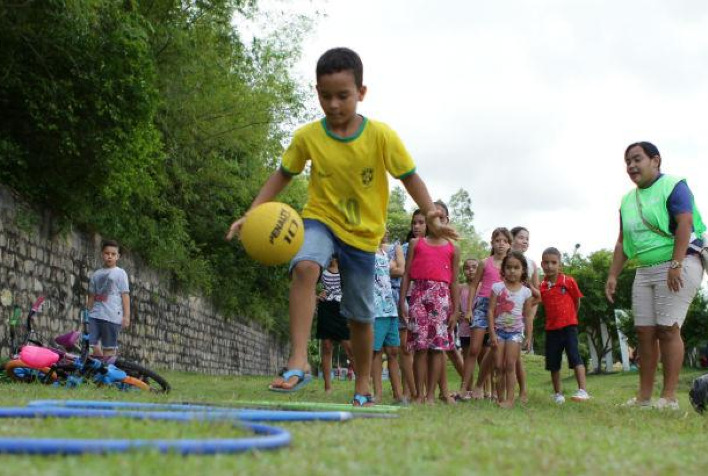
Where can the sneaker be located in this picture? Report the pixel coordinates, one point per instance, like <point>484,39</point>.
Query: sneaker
<point>558,398</point>
<point>633,402</point>
<point>580,396</point>
<point>665,404</point>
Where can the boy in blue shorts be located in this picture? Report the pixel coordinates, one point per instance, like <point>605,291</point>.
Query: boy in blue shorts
<point>561,298</point>
<point>345,212</point>
<point>108,302</point>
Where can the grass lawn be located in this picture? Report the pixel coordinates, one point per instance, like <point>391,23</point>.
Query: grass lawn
<point>596,437</point>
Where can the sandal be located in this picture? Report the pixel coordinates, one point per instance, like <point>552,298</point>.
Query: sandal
<point>302,380</point>
<point>363,400</point>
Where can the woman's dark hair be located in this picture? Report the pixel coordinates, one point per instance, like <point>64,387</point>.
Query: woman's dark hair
<point>522,259</point>
<point>341,59</point>
<point>515,231</point>
<point>650,149</point>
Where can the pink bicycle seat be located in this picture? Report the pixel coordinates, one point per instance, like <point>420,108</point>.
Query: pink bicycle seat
<point>68,340</point>
<point>38,357</point>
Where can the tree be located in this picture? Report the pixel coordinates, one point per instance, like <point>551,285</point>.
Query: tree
<point>461,217</point>
<point>398,220</point>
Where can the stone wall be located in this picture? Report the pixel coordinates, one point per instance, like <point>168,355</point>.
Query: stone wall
<point>167,330</point>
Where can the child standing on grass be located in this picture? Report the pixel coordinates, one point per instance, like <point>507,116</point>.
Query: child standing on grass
<point>331,325</point>
<point>386,339</point>
<point>477,310</point>
<point>469,269</point>
<point>108,302</point>
<point>345,213</point>
<point>432,263</point>
<point>520,243</point>
<point>509,325</point>
<point>418,229</point>
<point>561,298</point>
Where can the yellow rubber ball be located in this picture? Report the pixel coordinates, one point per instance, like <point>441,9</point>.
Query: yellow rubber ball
<point>272,233</point>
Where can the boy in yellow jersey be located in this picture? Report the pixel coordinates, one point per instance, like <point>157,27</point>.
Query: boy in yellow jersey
<point>345,212</point>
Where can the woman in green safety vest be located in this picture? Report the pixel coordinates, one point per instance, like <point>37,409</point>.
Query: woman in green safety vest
<point>662,229</point>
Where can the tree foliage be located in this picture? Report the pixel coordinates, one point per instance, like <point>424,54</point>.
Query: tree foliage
<point>154,123</point>
<point>462,218</point>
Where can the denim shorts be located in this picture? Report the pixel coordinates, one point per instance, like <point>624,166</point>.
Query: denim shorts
<point>356,269</point>
<point>104,332</point>
<point>506,336</point>
<point>386,333</point>
<point>479,313</point>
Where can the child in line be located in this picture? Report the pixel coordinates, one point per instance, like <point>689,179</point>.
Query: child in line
<point>108,302</point>
<point>418,229</point>
<point>432,263</point>
<point>509,325</point>
<point>561,298</point>
<point>488,273</point>
<point>345,213</point>
<point>520,243</point>
<point>469,269</point>
<point>331,325</point>
<point>385,328</point>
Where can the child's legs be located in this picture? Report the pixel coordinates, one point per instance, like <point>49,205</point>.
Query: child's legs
<point>327,350</point>
<point>476,340</point>
<point>314,254</point>
<point>95,336</point>
<point>376,374</point>
<point>556,380</point>
<point>347,346</point>
<point>486,368</point>
<point>406,364</point>
<point>436,358</point>
<point>305,275</point>
<point>457,361</point>
<point>512,350</point>
<point>521,377</point>
<point>394,371</point>
<point>575,362</point>
<point>496,356</point>
<point>357,269</point>
<point>420,363</point>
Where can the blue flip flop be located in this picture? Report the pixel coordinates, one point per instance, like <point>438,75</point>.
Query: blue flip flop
<point>302,380</point>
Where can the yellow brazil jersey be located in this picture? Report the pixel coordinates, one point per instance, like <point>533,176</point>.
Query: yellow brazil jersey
<point>348,189</point>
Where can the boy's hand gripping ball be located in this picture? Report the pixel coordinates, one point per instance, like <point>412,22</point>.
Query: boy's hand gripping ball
<point>272,233</point>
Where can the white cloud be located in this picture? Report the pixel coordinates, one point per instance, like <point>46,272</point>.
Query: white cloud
<point>529,105</point>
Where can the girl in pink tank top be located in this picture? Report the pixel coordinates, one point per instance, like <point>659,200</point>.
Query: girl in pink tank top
<point>476,313</point>
<point>432,312</point>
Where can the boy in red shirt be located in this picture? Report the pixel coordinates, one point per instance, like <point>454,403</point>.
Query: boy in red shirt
<point>561,297</point>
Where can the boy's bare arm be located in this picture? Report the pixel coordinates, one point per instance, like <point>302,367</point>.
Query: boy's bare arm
<point>273,186</point>
<point>419,192</point>
<point>125,297</point>
<point>90,301</point>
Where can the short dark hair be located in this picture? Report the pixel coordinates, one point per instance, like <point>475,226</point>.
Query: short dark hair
<point>551,250</point>
<point>515,231</point>
<point>341,59</point>
<point>112,243</point>
<point>522,259</point>
<point>650,149</point>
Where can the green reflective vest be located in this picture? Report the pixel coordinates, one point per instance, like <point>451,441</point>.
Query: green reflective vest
<point>640,241</point>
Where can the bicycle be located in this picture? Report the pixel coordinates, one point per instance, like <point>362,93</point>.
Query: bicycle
<point>74,365</point>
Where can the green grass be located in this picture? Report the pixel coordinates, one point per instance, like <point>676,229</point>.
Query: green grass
<point>596,437</point>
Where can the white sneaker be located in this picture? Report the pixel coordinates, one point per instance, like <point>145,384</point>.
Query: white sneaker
<point>634,403</point>
<point>580,396</point>
<point>665,404</point>
<point>558,398</point>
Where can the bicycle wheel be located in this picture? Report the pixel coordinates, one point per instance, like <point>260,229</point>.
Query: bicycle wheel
<point>18,371</point>
<point>155,382</point>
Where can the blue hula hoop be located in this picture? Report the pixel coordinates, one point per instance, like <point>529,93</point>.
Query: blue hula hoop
<point>270,437</point>
<point>242,414</point>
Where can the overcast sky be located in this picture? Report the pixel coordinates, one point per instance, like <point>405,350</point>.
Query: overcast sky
<point>529,105</point>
